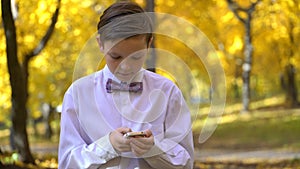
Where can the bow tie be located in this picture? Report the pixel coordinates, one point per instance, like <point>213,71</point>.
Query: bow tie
<point>131,87</point>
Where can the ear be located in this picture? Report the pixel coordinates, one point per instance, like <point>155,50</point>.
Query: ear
<point>150,42</point>
<point>101,45</point>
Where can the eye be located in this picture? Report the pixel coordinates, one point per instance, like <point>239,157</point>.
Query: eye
<point>137,56</point>
<point>114,56</point>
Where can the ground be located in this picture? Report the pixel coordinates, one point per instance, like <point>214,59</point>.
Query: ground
<point>263,139</point>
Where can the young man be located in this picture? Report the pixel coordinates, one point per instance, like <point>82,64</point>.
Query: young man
<point>102,109</point>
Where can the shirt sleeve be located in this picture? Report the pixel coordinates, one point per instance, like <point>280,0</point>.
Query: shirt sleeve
<point>176,149</point>
<point>75,151</point>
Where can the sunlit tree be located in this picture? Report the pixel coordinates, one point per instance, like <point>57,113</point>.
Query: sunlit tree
<point>244,14</point>
<point>18,71</point>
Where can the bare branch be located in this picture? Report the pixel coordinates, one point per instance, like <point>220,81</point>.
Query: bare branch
<point>235,9</point>
<point>46,37</point>
<point>252,7</point>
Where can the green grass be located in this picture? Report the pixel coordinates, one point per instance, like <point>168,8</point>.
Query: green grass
<point>256,130</point>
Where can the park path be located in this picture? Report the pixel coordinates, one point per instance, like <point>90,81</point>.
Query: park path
<point>249,156</point>
<point>207,155</point>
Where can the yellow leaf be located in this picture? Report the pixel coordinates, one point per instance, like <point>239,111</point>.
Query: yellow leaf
<point>236,45</point>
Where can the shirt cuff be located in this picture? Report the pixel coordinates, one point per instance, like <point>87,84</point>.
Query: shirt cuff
<point>104,144</point>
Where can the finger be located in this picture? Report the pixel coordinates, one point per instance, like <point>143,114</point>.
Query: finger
<point>148,133</point>
<point>137,150</point>
<point>119,142</point>
<point>139,142</point>
<point>124,147</point>
<point>123,130</point>
<point>142,143</point>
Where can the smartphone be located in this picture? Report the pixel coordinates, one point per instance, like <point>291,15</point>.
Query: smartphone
<point>135,134</point>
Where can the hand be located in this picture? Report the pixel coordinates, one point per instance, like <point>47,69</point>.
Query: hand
<point>141,145</point>
<point>117,140</point>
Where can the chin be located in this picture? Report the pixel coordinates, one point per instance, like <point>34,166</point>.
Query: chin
<point>124,78</point>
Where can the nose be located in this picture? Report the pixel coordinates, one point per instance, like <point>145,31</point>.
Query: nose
<point>125,65</point>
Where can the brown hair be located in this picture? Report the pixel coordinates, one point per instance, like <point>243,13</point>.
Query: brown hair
<point>124,20</point>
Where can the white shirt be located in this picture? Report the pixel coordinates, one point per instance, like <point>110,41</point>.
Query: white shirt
<point>89,114</point>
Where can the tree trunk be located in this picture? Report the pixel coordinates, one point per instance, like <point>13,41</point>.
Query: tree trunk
<point>151,61</point>
<point>247,64</point>
<point>291,95</point>
<point>248,51</point>
<point>291,99</point>
<point>18,87</point>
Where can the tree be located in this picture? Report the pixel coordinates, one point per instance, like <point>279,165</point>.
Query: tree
<point>19,78</point>
<point>150,7</point>
<point>248,49</point>
<point>290,88</point>
<point>291,93</point>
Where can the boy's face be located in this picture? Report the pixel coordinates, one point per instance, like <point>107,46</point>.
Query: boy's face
<point>125,58</point>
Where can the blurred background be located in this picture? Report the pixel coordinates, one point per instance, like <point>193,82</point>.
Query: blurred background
<point>256,41</point>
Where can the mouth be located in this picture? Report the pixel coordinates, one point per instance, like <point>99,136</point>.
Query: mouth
<point>124,74</point>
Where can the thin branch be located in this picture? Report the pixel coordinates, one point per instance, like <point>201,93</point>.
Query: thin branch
<point>235,8</point>
<point>252,7</point>
<point>46,37</point>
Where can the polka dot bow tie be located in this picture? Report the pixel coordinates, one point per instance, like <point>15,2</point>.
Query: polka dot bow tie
<point>115,86</point>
